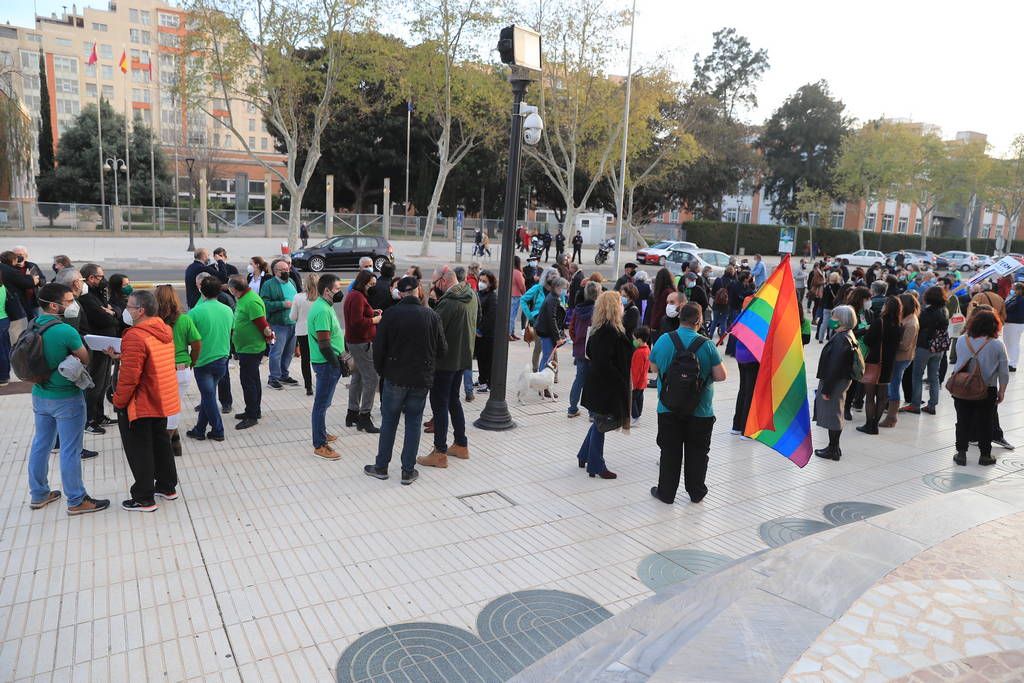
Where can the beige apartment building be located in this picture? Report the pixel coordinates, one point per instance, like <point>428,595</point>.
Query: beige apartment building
<point>150,34</point>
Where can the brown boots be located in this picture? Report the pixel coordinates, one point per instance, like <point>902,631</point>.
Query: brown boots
<point>890,415</point>
<point>457,451</point>
<point>435,459</point>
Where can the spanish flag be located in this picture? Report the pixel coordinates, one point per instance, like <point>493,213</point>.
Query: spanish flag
<point>123,63</point>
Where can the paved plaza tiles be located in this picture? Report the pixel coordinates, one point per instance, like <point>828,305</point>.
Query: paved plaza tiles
<point>274,565</point>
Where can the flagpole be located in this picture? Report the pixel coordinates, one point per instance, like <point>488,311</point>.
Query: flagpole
<point>408,137</point>
<point>152,166</point>
<point>621,198</point>
<point>99,133</point>
<point>127,142</point>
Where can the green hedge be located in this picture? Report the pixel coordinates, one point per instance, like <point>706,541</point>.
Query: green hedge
<point>764,239</point>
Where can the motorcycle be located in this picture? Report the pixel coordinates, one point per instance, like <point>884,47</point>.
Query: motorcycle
<point>536,248</point>
<point>603,250</point>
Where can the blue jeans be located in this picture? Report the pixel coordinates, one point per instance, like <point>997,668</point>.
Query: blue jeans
<point>897,378</point>
<point>326,381</point>
<point>207,378</point>
<point>924,359</point>
<point>467,381</point>
<point>63,417</point>
<point>395,401</point>
<point>282,351</point>
<point>513,312</point>
<point>720,322</point>
<point>592,451</point>
<point>547,347</point>
<point>445,403</point>
<point>5,350</point>
<point>582,367</point>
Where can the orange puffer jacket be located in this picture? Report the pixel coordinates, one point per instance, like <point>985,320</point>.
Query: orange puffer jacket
<point>147,383</point>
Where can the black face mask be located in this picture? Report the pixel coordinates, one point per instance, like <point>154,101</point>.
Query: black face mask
<point>283,277</point>
<point>338,296</point>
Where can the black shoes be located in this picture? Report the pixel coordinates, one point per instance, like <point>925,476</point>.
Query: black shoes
<point>409,477</point>
<point>107,421</point>
<point>274,384</point>
<point>870,428</point>
<point>214,437</point>
<point>225,410</point>
<point>93,428</point>
<point>87,454</point>
<point>828,453</point>
<point>352,418</point>
<point>377,472</point>
<point>960,458</point>
<point>193,434</point>
<point>365,424</point>
<point>246,423</point>
<point>309,391</point>
<point>986,461</point>
<point>654,492</point>
<point>288,380</point>
<point>133,505</point>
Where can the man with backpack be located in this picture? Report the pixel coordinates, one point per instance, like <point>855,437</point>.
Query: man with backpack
<point>687,364</point>
<point>58,404</point>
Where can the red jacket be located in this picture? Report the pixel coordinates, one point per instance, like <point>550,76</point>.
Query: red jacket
<point>359,325</point>
<point>147,383</point>
<point>639,366</point>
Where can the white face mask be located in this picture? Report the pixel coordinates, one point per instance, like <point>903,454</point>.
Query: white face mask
<point>394,293</point>
<point>482,286</point>
<point>73,310</point>
<point>671,310</point>
<point>249,269</point>
<point>867,305</point>
<point>85,288</point>
<point>127,318</point>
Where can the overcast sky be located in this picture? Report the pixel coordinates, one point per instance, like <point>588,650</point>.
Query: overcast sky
<point>954,64</point>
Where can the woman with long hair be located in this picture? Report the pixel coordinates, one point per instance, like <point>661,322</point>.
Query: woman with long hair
<point>300,314</point>
<point>607,390</point>
<point>859,299</point>
<point>901,377</point>
<point>360,328</point>
<point>487,289</point>
<point>187,344</point>
<point>981,349</point>
<point>630,308</point>
<point>829,300</point>
<point>933,323</point>
<point>258,269</point>
<point>882,340</point>
<point>835,371</point>
<point>663,286</point>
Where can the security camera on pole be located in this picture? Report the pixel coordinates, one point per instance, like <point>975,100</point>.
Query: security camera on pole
<point>520,48</point>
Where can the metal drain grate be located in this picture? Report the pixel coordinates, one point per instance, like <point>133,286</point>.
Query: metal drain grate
<point>486,501</point>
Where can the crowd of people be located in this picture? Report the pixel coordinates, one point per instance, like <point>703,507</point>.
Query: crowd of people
<point>404,340</point>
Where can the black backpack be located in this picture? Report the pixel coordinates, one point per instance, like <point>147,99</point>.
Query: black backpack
<point>27,357</point>
<point>683,382</point>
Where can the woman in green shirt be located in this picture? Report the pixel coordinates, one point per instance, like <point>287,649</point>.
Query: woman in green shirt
<point>187,344</point>
<point>5,339</point>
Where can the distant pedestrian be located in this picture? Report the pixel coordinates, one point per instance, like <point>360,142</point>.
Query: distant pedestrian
<point>577,247</point>
<point>304,233</point>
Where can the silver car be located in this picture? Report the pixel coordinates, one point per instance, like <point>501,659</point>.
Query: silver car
<point>678,259</point>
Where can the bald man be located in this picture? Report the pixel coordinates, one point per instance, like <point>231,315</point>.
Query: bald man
<point>201,264</point>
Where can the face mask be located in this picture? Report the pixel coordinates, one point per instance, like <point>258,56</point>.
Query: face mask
<point>73,310</point>
<point>338,296</point>
<point>127,318</point>
<point>127,289</point>
<point>833,324</point>
<point>625,301</point>
<point>102,284</point>
<point>368,269</point>
<point>867,305</point>
<point>671,310</point>
<point>283,277</point>
<point>394,293</point>
<point>85,288</point>
<point>482,286</point>
<point>249,269</point>
<point>690,284</point>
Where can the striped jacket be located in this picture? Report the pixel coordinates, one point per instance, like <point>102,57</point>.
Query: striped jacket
<point>147,383</point>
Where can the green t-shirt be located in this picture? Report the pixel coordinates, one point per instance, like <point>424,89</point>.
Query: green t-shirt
<point>214,321</point>
<point>59,342</point>
<point>663,353</point>
<point>248,338</point>
<point>322,317</point>
<point>3,302</point>
<point>185,333</point>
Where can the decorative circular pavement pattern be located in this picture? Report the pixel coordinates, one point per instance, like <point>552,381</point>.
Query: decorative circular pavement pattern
<point>847,512</point>
<point>664,569</point>
<point>946,482</point>
<point>785,529</point>
<point>515,630</point>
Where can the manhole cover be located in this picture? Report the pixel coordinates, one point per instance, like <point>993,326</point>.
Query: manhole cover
<point>486,501</point>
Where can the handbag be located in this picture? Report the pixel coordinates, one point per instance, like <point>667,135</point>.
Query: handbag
<point>969,385</point>
<point>606,423</point>
<point>957,322</point>
<point>529,334</point>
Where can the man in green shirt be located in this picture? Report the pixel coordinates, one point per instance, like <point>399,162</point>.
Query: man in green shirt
<point>328,343</point>
<point>251,335</point>
<point>214,321</point>
<point>278,293</point>
<point>5,339</point>
<point>59,408</point>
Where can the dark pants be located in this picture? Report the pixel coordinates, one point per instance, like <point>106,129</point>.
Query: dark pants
<point>147,446</point>
<point>748,378</point>
<point>5,349</point>
<point>307,377</point>
<point>974,421</point>
<point>854,396</point>
<point>684,444</point>
<point>908,384</point>
<point>252,388</point>
<point>99,370</point>
<point>484,358</point>
<point>207,378</point>
<point>638,403</point>
<point>577,256</point>
<point>591,452</point>
<point>399,401</point>
<point>444,401</point>
<point>224,388</point>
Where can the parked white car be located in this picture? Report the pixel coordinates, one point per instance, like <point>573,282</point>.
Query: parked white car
<point>960,260</point>
<point>657,254</point>
<point>865,258</point>
<point>680,258</point>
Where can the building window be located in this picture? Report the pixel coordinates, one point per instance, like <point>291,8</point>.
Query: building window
<point>216,139</point>
<point>66,85</point>
<point>902,226</point>
<point>34,37</point>
<point>140,75</point>
<point>107,72</point>
<point>146,115</point>
<point>90,71</point>
<point>71,107</point>
<point>917,227</point>
<point>252,142</point>
<point>90,89</point>
<point>140,95</point>
<point>137,16</point>
<point>106,51</point>
<point>837,219</point>
<point>870,224</point>
<point>65,65</point>
<point>169,20</point>
<point>168,40</point>
<point>263,143</point>
<point>108,92</point>
<point>102,28</point>
<point>252,125</point>
<point>672,216</point>
<point>887,222</point>
<point>63,42</point>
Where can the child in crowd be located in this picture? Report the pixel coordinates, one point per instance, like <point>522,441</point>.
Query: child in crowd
<point>640,366</point>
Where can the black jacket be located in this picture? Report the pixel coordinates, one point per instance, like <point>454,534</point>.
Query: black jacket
<point>883,341</point>
<point>93,319</point>
<point>836,362</point>
<point>191,290</point>
<point>488,310</point>
<point>828,296</point>
<point>379,295</point>
<point>18,284</point>
<point>607,389</point>
<point>631,319</point>
<point>551,319</point>
<point>409,342</point>
<point>931,320</point>
<point>224,271</point>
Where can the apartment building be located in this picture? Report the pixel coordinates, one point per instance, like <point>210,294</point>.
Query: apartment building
<point>150,34</point>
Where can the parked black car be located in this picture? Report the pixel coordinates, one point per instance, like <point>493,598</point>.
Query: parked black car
<point>343,253</point>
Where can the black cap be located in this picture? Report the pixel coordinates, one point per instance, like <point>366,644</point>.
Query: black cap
<point>630,265</point>
<point>408,283</point>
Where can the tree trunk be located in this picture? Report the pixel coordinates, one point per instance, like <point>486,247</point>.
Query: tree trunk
<point>295,217</point>
<point>435,200</point>
<point>969,219</point>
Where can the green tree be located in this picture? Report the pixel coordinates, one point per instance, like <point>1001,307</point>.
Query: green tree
<point>1006,189</point>
<point>48,189</point>
<point>971,172</point>
<point>800,143</point>
<point>730,72</point>
<point>929,180</point>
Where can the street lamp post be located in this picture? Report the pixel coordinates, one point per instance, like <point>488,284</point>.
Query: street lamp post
<point>116,164</point>
<point>521,49</point>
<point>189,164</point>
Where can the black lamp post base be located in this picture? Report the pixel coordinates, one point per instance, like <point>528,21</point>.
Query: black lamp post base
<point>495,417</point>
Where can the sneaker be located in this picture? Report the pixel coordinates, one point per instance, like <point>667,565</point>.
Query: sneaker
<point>87,454</point>
<point>50,497</point>
<point>573,413</point>
<point>4,382</point>
<point>634,422</point>
<point>225,410</point>
<point>409,477</point>
<point>274,384</point>
<point>169,495</point>
<point>289,380</point>
<point>89,505</point>
<point>376,472</point>
<point>928,409</point>
<point>133,505</point>
<point>326,452</point>
<point>1004,443</point>
<point>198,436</point>
<point>93,428</point>
<point>107,421</point>
<point>483,389</point>
<point>745,438</point>
<point>735,432</point>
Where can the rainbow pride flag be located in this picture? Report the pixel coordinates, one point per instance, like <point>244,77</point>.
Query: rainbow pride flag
<point>770,327</point>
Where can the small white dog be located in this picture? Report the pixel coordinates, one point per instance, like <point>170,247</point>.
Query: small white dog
<point>541,382</point>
